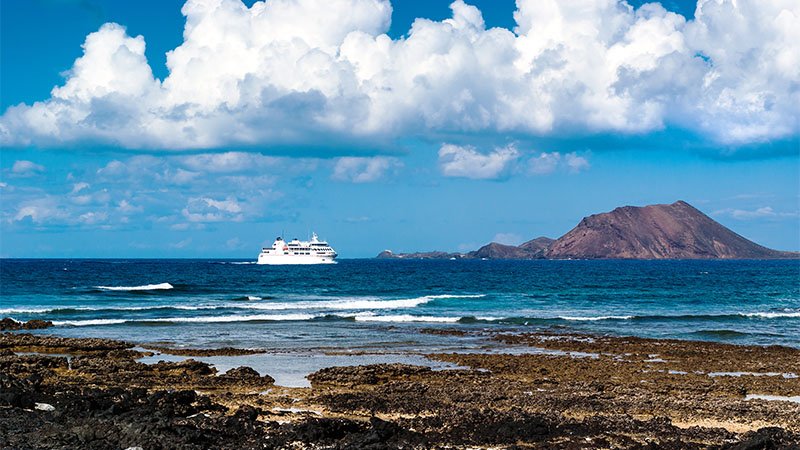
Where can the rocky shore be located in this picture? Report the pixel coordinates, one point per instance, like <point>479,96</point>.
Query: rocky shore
<point>564,391</point>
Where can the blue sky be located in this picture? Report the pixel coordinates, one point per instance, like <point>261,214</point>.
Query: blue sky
<point>490,120</point>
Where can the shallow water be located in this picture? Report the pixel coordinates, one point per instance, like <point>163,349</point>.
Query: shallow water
<point>380,304</point>
<point>291,369</point>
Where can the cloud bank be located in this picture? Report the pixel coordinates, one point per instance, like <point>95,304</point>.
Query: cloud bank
<point>307,72</point>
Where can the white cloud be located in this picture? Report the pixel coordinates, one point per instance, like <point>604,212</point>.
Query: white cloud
<point>466,162</point>
<point>507,239</point>
<point>126,207</point>
<point>24,168</point>
<point>750,214</point>
<point>228,162</point>
<point>92,217</point>
<point>41,210</point>
<point>77,187</point>
<point>363,170</point>
<point>316,73</point>
<point>205,209</point>
<point>576,163</point>
<point>544,163</point>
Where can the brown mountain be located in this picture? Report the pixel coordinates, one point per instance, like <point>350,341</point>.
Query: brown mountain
<point>537,247</point>
<point>494,250</point>
<point>533,249</point>
<point>676,231</point>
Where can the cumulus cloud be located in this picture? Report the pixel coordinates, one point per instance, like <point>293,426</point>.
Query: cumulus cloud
<point>576,163</point>
<point>205,209</point>
<point>544,163</point>
<point>77,187</point>
<point>228,162</point>
<point>24,168</point>
<point>41,210</point>
<point>363,170</point>
<point>467,162</point>
<point>310,72</point>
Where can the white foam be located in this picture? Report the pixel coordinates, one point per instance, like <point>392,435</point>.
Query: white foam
<point>351,303</point>
<point>771,315</point>
<point>90,322</point>
<point>146,287</point>
<point>201,319</point>
<point>777,398</point>
<point>368,317</point>
<point>24,311</point>
<point>579,318</point>
<point>253,297</point>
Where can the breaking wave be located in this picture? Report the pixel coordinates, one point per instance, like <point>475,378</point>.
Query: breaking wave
<point>146,287</point>
<point>772,315</point>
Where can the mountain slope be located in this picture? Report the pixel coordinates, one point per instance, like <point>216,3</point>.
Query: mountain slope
<point>675,231</point>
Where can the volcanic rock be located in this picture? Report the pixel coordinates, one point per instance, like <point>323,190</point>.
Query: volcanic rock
<point>11,324</point>
<point>676,231</point>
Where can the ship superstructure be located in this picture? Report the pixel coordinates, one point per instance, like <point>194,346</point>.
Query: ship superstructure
<point>296,251</point>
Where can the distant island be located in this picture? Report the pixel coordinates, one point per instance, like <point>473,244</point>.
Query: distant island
<point>674,231</point>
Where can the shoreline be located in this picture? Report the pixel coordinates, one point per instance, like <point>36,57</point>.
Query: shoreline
<point>583,391</point>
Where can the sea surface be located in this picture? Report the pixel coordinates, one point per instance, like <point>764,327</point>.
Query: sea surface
<point>376,305</point>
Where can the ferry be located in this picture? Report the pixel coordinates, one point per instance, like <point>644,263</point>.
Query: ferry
<point>297,252</point>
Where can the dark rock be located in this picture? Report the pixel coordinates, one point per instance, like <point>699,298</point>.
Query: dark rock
<point>361,375</point>
<point>767,439</point>
<point>245,373</point>
<point>223,351</point>
<point>12,325</point>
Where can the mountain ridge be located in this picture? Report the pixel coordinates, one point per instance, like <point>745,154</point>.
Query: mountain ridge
<point>661,231</point>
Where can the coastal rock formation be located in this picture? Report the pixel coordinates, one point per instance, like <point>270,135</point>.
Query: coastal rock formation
<point>533,249</point>
<point>537,247</point>
<point>12,325</point>
<point>388,254</point>
<point>636,393</point>
<point>675,231</point>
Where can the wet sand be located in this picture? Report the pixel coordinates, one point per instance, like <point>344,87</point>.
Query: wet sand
<point>568,391</point>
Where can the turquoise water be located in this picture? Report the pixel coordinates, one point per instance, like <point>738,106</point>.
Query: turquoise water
<point>368,304</point>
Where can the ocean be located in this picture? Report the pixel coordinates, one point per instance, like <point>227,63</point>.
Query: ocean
<point>381,305</point>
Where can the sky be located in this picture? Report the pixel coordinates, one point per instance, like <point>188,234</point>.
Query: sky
<point>206,128</point>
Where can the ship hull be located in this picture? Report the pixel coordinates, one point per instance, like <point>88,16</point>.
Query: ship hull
<point>285,260</point>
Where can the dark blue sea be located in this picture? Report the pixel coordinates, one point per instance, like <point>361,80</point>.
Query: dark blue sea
<point>371,304</point>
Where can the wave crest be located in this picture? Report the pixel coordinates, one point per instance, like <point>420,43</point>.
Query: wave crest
<point>145,287</point>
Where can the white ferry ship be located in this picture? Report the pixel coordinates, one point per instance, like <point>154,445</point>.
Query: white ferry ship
<point>298,252</point>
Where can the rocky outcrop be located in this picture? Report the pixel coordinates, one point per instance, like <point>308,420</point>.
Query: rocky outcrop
<point>675,231</point>
<point>496,400</point>
<point>537,247</point>
<point>9,324</point>
<point>533,249</point>
<point>388,254</point>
